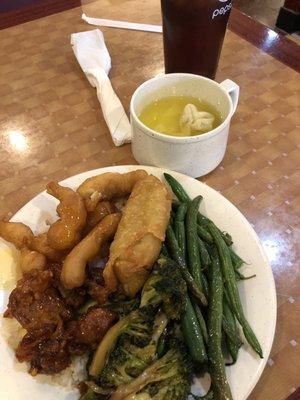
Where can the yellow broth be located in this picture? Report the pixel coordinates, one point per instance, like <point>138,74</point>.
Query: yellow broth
<point>163,115</point>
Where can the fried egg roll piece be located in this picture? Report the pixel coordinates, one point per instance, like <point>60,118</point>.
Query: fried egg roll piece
<point>108,186</point>
<point>139,236</point>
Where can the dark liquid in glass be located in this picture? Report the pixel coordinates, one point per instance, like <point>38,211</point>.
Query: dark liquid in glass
<point>193,34</point>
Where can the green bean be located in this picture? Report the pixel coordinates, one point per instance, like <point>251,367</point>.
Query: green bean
<point>230,331</point>
<point>220,384</point>
<point>175,205</point>
<point>200,319</point>
<point>204,221</point>
<point>229,323</point>
<point>233,340</point>
<point>204,255</point>
<point>204,234</point>
<point>171,220</point>
<point>240,277</point>
<point>236,260</point>
<point>164,250</point>
<point>194,262</point>
<point>182,196</point>
<point>192,334</point>
<point>233,294</point>
<point>178,257</point>
<point>177,189</point>
<point>179,226</point>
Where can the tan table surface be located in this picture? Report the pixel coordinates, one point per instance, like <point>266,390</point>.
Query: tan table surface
<point>51,127</point>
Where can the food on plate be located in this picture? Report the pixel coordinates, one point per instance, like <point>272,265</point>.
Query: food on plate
<point>108,186</point>
<point>54,330</point>
<point>41,245</point>
<point>22,236</point>
<point>16,232</point>
<point>138,334</point>
<point>139,236</point>
<point>74,265</point>
<point>148,294</point>
<point>30,259</point>
<point>65,233</point>
<point>103,208</point>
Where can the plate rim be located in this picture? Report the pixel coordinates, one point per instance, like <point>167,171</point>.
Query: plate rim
<point>130,167</point>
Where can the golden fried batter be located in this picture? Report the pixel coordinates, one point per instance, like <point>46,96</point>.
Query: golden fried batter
<point>102,209</point>
<point>108,186</point>
<point>41,245</point>
<point>16,233</point>
<point>73,271</point>
<point>140,233</point>
<point>21,236</point>
<point>65,233</point>
<point>31,259</point>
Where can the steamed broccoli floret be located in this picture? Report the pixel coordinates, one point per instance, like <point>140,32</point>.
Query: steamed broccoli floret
<point>136,327</point>
<point>165,379</point>
<point>131,357</point>
<point>123,366</point>
<point>131,345</point>
<point>165,286</point>
<point>122,306</point>
<point>140,326</point>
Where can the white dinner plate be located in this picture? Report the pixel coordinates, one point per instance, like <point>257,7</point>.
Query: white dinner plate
<point>258,294</point>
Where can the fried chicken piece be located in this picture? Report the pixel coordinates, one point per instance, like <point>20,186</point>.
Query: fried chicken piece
<point>17,233</point>
<point>21,235</point>
<point>74,265</point>
<point>65,233</point>
<point>90,328</point>
<point>95,284</point>
<point>31,259</point>
<point>102,209</point>
<point>108,186</point>
<point>74,298</point>
<point>35,304</point>
<point>40,244</point>
<point>46,353</point>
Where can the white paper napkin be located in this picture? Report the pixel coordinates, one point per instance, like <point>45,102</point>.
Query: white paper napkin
<point>94,59</point>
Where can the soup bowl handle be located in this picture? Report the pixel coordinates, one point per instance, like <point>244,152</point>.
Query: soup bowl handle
<point>234,92</point>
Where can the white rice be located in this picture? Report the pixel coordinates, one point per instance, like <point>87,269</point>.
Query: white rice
<point>12,332</point>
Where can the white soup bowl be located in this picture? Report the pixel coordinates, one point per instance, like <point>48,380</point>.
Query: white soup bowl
<point>192,155</point>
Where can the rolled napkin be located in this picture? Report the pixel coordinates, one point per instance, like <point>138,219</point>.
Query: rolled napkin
<point>94,59</point>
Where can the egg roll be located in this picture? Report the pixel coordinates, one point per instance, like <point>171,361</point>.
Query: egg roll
<point>139,236</point>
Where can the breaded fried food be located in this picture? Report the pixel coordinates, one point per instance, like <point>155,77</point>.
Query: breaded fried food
<point>73,271</point>
<point>65,233</point>
<point>31,259</point>
<point>102,209</point>
<point>140,234</point>
<point>108,186</point>
<point>16,233</point>
<point>21,236</point>
<point>41,245</point>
